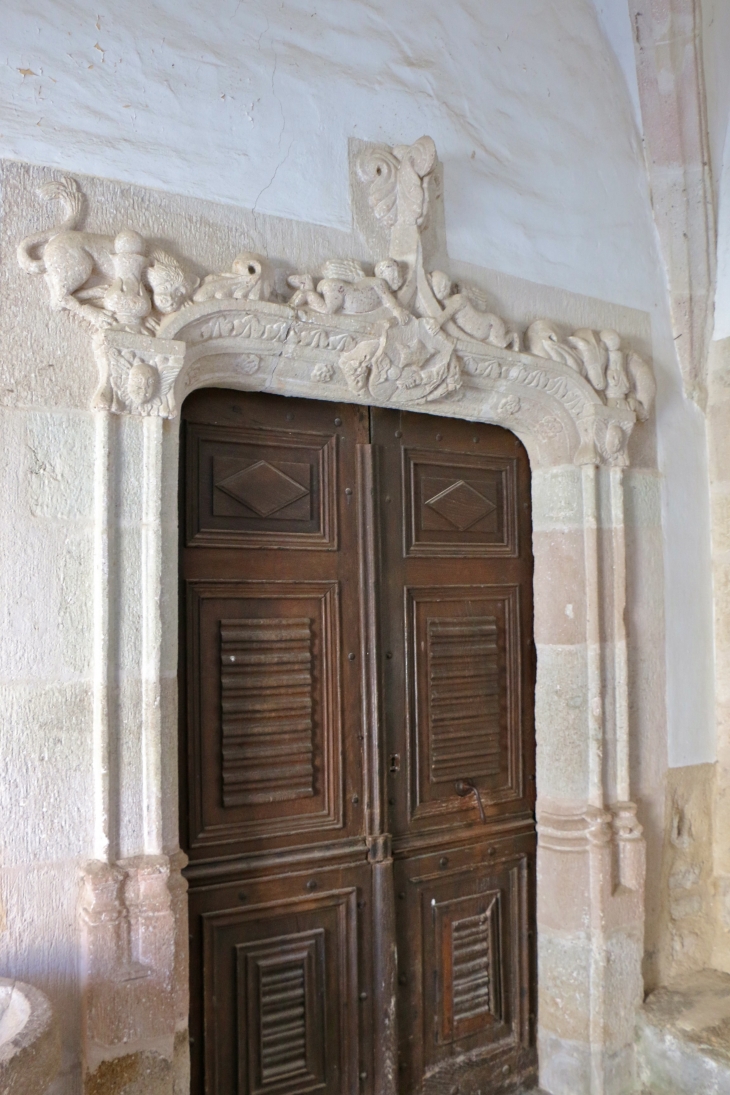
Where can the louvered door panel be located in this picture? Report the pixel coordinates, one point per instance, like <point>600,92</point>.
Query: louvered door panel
<point>267,734</point>
<point>463,704</point>
<point>465,959</point>
<point>267,710</point>
<point>279,981</point>
<point>462,659</point>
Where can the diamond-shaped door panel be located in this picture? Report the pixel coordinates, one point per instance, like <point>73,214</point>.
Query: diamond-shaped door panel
<point>261,488</point>
<point>265,488</point>
<point>458,502</point>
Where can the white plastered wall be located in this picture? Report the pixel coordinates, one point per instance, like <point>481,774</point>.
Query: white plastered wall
<point>536,125</point>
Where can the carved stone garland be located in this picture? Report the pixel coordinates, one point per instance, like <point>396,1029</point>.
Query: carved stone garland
<point>399,336</point>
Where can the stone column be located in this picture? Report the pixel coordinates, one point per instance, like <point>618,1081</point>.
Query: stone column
<point>590,849</point>
<point>133,908</point>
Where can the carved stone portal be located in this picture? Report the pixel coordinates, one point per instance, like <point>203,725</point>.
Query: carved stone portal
<point>401,335</point>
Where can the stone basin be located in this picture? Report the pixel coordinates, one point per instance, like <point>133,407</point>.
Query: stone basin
<point>30,1051</point>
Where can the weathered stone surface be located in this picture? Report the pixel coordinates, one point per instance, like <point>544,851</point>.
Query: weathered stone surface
<point>683,1036</point>
<point>140,1073</point>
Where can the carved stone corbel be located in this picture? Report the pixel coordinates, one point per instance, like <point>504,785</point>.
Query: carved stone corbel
<point>137,373</point>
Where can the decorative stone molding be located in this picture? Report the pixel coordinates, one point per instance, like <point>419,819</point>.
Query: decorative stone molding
<point>398,336</point>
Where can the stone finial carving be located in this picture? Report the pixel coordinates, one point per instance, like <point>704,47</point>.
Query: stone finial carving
<point>396,334</point>
<point>398,181</point>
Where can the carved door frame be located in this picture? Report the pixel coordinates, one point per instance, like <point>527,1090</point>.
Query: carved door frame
<point>573,410</point>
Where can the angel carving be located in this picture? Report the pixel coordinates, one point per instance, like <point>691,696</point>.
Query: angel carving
<point>249,279</point>
<point>138,385</point>
<point>346,288</point>
<point>466,312</point>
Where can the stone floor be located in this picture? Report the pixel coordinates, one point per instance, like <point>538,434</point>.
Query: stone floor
<point>683,1037</point>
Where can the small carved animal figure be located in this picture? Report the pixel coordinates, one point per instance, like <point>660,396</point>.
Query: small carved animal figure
<point>346,288</point>
<point>69,258</point>
<point>363,358</point>
<point>641,399</point>
<point>126,298</point>
<point>543,341</point>
<point>249,279</point>
<point>617,380</point>
<point>594,355</point>
<point>468,310</point>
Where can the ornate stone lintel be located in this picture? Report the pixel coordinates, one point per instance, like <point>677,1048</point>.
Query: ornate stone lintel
<point>401,335</point>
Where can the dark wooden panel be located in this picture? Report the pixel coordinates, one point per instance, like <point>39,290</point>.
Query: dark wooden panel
<point>455,624</point>
<point>302,669</point>
<point>468,937</point>
<point>464,698</point>
<point>256,487</point>
<point>279,980</point>
<point>459,504</point>
<point>273,798</point>
<point>265,729</point>
<point>466,967</point>
<point>458,687</point>
<point>281,987</point>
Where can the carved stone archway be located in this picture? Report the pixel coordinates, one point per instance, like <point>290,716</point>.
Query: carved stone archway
<point>402,336</point>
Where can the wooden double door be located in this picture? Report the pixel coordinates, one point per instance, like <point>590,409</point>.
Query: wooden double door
<point>357,750</point>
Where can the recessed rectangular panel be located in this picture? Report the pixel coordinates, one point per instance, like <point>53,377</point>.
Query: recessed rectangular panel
<point>458,504</point>
<point>463,938</point>
<point>280,984</point>
<point>259,487</point>
<point>282,980</point>
<point>264,710</point>
<point>464,698</point>
<point>468,936</point>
